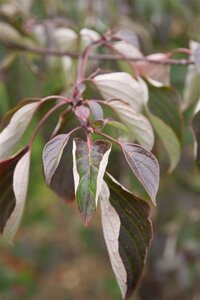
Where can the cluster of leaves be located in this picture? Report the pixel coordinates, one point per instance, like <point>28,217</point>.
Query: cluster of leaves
<point>138,104</point>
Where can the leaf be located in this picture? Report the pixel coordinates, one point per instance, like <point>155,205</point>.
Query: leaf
<point>192,82</point>
<point>127,49</point>
<point>7,117</point>
<point>62,182</point>
<point>145,166</point>
<point>197,58</point>
<point>127,36</point>
<point>127,231</point>
<point>9,34</point>
<point>82,112</point>
<point>89,165</point>
<point>95,109</point>
<point>117,125</point>
<point>169,139</point>
<point>196,130</point>
<point>65,38</point>
<point>157,74</point>
<point>121,85</point>
<point>12,134</point>
<point>52,154</point>
<point>88,36</point>
<point>164,103</point>
<point>137,124</point>
<point>7,195</point>
<point>20,187</point>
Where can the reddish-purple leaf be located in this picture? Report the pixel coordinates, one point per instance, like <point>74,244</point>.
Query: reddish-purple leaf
<point>20,187</point>
<point>145,166</point>
<point>127,231</point>
<point>96,109</point>
<point>7,196</point>
<point>83,113</point>
<point>52,153</point>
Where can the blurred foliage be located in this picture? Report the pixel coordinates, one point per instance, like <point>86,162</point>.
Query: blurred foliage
<point>54,257</point>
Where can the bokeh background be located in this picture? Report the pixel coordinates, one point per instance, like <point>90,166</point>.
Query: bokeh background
<point>54,256</point>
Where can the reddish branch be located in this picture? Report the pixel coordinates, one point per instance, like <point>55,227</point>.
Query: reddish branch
<point>75,55</point>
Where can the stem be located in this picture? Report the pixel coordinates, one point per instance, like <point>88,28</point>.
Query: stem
<point>181,50</point>
<point>42,121</point>
<point>106,57</point>
<point>107,136</point>
<point>66,100</point>
<point>125,58</point>
<point>83,59</point>
<point>89,140</point>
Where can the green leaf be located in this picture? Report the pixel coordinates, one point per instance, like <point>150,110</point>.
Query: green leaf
<point>196,130</point>
<point>192,85</point>
<point>164,103</point>
<point>145,166</point>
<point>138,125</point>
<point>169,139</point>
<point>127,231</point>
<point>52,154</point>
<point>197,58</point>
<point>9,191</point>
<point>89,165</point>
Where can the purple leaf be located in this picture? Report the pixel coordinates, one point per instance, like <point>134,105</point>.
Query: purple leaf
<point>83,113</point>
<point>95,109</point>
<point>145,166</point>
<point>127,231</point>
<point>7,193</point>
<point>52,153</point>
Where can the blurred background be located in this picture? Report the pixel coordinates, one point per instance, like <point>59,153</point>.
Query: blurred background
<point>54,256</point>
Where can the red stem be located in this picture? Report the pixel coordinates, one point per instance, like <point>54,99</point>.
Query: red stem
<point>42,121</point>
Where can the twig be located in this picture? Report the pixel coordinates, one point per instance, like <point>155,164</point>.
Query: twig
<point>76,55</point>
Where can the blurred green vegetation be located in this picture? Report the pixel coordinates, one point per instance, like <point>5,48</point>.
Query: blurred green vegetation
<point>54,257</point>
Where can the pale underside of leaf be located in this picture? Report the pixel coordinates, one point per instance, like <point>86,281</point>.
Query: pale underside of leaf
<point>121,85</point>
<point>52,153</point>
<point>20,187</point>
<point>111,229</point>
<point>145,166</point>
<point>138,125</point>
<point>12,134</point>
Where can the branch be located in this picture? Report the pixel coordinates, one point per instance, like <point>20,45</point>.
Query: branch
<point>110,57</point>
